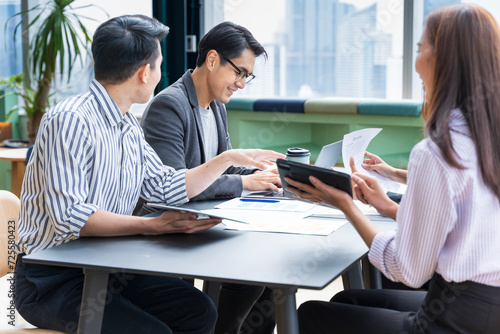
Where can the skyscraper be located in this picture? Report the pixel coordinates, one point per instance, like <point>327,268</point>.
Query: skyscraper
<point>311,45</point>
<point>362,55</point>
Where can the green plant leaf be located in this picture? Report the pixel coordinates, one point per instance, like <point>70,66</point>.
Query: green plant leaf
<point>58,37</point>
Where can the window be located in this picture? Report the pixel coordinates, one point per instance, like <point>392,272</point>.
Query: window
<point>10,53</point>
<point>345,48</point>
<point>421,10</point>
<point>101,11</point>
<point>324,47</point>
<point>114,8</point>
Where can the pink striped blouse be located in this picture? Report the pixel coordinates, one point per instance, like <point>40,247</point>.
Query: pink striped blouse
<point>448,220</point>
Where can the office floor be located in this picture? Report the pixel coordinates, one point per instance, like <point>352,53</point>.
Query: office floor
<point>302,296</point>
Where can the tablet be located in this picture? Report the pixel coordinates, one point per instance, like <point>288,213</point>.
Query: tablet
<point>301,172</point>
<point>201,214</point>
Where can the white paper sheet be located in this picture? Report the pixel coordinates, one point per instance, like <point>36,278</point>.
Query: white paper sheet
<point>254,216</point>
<point>272,204</point>
<point>304,226</point>
<point>327,212</point>
<point>276,221</point>
<point>355,145</point>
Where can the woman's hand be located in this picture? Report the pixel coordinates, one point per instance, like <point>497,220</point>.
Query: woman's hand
<point>321,192</point>
<point>374,163</point>
<point>252,157</point>
<point>367,189</point>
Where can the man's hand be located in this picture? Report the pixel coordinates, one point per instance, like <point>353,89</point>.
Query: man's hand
<point>261,181</point>
<point>179,222</point>
<point>252,157</point>
<point>109,224</point>
<point>201,177</point>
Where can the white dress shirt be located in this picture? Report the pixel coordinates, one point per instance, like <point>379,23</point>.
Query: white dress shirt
<point>448,220</point>
<point>88,156</point>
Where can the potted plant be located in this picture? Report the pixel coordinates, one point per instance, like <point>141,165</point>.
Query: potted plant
<point>58,38</point>
<point>13,86</point>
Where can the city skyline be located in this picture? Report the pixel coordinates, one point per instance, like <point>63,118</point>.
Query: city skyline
<point>324,51</point>
<point>364,59</point>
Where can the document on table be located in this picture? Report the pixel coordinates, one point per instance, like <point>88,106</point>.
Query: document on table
<point>277,221</point>
<point>355,145</point>
<point>327,212</point>
<point>310,226</point>
<point>272,204</point>
<point>287,216</point>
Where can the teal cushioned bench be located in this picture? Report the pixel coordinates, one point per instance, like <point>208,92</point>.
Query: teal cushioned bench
<point>324,121</point>
<point>390,107</point>
<point>280,105</point>
<point>328,105</point>
<point>241,103</point>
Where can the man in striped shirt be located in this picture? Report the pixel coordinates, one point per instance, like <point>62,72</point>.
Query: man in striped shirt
<point>89,165</point>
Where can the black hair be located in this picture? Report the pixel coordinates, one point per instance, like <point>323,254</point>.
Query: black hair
<point>123,44</point>
<point>230,40</point>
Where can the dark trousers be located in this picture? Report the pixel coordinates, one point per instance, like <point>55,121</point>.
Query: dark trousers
<point>261,318</point>
<point>446,308</point>
<point>245,309</point>
<point>50,297</point>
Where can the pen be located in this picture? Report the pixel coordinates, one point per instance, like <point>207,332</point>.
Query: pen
<point>259,200</point>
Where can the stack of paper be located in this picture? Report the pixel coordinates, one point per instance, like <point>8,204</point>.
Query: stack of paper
<point>270,215</point>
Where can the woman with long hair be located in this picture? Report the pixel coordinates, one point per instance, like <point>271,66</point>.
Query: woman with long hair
<point>449,218</point>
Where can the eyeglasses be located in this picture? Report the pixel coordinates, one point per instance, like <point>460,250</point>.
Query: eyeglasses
<point>241,74</point>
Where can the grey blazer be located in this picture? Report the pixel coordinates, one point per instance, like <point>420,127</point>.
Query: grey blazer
<point>173,128</point>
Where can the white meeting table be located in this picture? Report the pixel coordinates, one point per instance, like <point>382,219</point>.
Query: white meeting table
<point>282,262</point>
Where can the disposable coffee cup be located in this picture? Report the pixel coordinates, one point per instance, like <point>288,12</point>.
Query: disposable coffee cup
<point>298,154</point>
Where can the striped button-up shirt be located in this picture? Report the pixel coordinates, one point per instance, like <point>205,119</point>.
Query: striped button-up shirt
<point>448,221</point>
<point>88,156</point>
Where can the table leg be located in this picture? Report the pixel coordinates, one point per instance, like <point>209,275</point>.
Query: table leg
<point>17,176</point>
<point>286,310</point>
<point>353,278</point>
<point>93,301</point>
<point>212,290</point>
<point>371,275</point>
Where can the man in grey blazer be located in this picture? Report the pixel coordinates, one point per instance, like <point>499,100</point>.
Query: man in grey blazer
<point>186,124</point>
<point>174,126</point>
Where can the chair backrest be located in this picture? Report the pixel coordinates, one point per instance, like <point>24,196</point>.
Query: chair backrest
<point>9,212</point>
